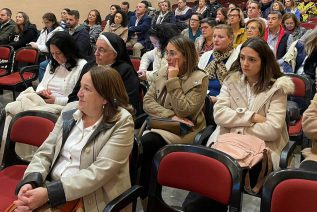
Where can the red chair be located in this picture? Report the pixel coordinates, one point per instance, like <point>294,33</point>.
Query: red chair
<point>6,59</point>
<point>302,95</point>
<point>312,19</point>
<point>194,168</point>
<point>308,25</point>
<point>136,63</point>
<point>290,190</point>
<point>26,62</point>
<point>29,127</point>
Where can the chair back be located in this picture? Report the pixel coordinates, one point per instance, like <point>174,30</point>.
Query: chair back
<point>199,169</point>
<point>135,161</point>
<point>28,127</point>
<point>6,59</point>
<point>27,55</point>
<point>290,190</point>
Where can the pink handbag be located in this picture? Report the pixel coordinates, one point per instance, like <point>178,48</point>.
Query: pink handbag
<point>248,150</point>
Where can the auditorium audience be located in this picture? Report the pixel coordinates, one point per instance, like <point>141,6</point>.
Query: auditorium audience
<point>97,134</point>
<point>178,93</point>
<point>290,7</point>
<point>182,14</point>
<point>119,25</point>
<point>113,9</point>
<point>7,26</point>
<point>125,6</point>
<point>25,31</point>
<point>221,16</point>
<point>254,11</point>
<point>137,29</point>
<point>63,21</point>
<point>159,35</point>
<point>202,8</point>
<point>213,6</point>
<point>278,6</point>
<point>265,7</point>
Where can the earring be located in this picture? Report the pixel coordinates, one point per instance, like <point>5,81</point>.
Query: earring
<point>115,102</point>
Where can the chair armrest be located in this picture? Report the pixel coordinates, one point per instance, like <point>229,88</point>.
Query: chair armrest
<point>202,137</point>
<point>138,121</point>
<point>286,153</point>
<point>124,199</point>
<point>32,68</point>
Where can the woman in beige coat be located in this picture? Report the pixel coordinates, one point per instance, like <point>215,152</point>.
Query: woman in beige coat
<point>253,99</point>
<point>86,156</point>
<point>178,92</point>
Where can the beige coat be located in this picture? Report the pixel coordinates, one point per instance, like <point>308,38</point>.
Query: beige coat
<point>122,32</point>
<point>309,124</point>
<point>232,114</point>
<point>185,98</point>
<point>104,162</point>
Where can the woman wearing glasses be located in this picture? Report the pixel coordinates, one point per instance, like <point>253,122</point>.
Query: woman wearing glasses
<point>178,93</point>
<point>193,31</point>
<point>236,21</point>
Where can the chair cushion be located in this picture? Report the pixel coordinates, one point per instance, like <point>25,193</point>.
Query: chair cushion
<point>14,78</point>
<point>2,71</point>
<point>294,195</point>
<point>9,179</point>
<point>184,170</point>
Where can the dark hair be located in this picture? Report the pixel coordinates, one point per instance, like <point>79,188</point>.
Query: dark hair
<point>224,12</point>
<point>188,50</point>
<point>126,3</point>
<point>255,2</point>
<point>275,12</point>
<point>198,15</point>
<point>74,13</point>
<point>52,18</point>
<point>68,46</point>
<point>116,6</point>
<point>98,16</point>
<point>146,3</point>
<point>124,22</point>
<point>67,10</point>
<point>108,83</point>
<point>163,32</point>
<point>8,11</point>
<point>210,21</point>
<point>292,16</point>
<point>26,23</point>
<point>269,66</point>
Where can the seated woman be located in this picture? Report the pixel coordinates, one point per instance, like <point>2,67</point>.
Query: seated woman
<point>222,15</point>
<point>292,25</point>
<point>309,124</point>
<point>205,42</point>
<point>218,61</point>
<point>202,8</point>
<point>50,27</point>
<point>113,9</point>
<point>164,15</point>
<point>119,25</point>
<point>236,21</point>
<point>111,51</point>
<point>93,22</point>
<point>290,7</point>
<point>193,31</point>
<point>159,35</point>
<point>178,93</point>
<point>252,101</point>
<point>89,146</point>
<point>255,27</point>
<point>278,6</point>
<point>63,70</point>
<point>26,32</point>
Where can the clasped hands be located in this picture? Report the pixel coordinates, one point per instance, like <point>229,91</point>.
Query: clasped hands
<point>47,96</point>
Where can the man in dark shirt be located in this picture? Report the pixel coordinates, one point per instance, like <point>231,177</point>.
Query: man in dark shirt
<point>7,26</point>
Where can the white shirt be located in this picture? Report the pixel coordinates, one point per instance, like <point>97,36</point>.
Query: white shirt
<point>68,162</point>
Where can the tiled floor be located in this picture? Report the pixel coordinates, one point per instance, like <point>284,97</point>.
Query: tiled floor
<point>176,196</point>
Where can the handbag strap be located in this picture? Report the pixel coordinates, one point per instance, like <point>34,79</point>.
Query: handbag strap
<point>266,169</point>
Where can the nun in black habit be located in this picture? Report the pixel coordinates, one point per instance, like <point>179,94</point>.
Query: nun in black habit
<point>111,51</point>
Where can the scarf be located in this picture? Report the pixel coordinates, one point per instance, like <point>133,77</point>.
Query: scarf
<point>160,18</point>
<point>216,68</point>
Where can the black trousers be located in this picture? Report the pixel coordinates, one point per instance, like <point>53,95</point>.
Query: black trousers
<point>151,143</point>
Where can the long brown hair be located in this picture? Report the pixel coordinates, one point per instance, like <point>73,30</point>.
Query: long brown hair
<point>270,70</point>
<point>109,85</point>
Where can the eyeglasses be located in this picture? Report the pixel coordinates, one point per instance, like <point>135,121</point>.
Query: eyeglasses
<point>233,15</point>
<point>170,54</point>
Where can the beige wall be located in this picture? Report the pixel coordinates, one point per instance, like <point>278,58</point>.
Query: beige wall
<point>36,8</point>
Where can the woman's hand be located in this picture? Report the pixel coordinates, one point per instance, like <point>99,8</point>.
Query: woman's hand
<point>47,96</point>
<point>142,74</point>
<point>257,118</point>
<point>173,71</point>
<point>183,120</point>
<point>20,203</point>
<point>33,199</point>
<point>33,45</point>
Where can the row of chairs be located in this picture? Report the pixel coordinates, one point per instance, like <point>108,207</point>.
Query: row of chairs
<point>18,69</point>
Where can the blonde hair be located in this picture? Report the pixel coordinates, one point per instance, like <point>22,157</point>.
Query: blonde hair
<point>311,42</point>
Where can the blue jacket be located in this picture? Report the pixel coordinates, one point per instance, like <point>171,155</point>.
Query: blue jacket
<point>141,29</point>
